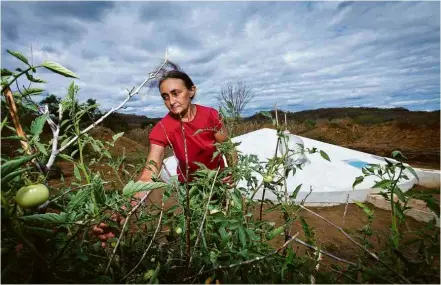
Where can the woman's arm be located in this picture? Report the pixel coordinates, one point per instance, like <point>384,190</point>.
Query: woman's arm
<point>153,165</point>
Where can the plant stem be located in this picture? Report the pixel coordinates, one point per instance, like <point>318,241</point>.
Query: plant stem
<point>150,244</point>
<point>324,252</point>
<point>247,261</point>
<point>394,216</point>
<point>187,194</point>
<point>124,227</point>
<point>355,242</point>
<point>205,214</point>
<point>16,77</point>
<point>16,228</point>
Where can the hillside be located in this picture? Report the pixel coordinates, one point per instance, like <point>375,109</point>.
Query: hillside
<point>372,130</point>
<point>362,116</point>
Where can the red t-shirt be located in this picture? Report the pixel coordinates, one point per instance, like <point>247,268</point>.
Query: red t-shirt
<point>200,146</point>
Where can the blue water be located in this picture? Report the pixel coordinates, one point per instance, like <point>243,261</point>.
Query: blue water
<point>356,163</point>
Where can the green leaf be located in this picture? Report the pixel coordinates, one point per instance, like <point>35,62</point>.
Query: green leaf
<point>389,162</point>
<point>32,91</point>
<point>41,148</point>
<point>223,234</point>
<point>365,208</point>
<point>357,181</point>
<point>77,173</point>
<point>10,176</point>
<point>237,201</point>
<point>411,170</point>
<point>384,184</point>
<point>296,191</point>
<point>66,157</point>
<point>58,68</point>
<point>433,205</point>
<point>399,194</point>
<point>242,237</point>
<point>398,155</point>
<point>252,235</point>
<point>155,274</point>
<point>18,55</point>
<point>4,123</point>
<point>117,136</point>
<point>12,165</point>
<point>41,232</point>
<point>324,155</point>
<point>95,147</point>
<point>30,106</point>
<point>399,211</point>
<point>6,72</point>
<point>38,124</point>
<point>139,186</point>
<point>98,190</point>
<point>33,79</point>
<point>65,141</point>
<point>78,200</point>
<point>107,153</point>
<point>51,218</point>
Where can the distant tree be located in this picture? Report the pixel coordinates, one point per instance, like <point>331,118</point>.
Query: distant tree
<point>93,112</point>
<point>234,97</point>
<point>52,101</point>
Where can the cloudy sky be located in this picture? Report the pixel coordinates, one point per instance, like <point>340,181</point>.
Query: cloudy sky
<point>300,55</point>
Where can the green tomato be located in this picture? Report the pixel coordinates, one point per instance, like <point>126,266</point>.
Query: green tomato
<point>276,232</point>
<point>32,196</point>
<point>148,275</point>
<point>178,230</point>
<point>268,178</point>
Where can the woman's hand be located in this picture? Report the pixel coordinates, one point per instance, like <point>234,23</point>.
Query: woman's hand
<point>104,232</point>
<point>229,181</point>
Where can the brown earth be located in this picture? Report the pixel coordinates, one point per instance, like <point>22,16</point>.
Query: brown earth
<point>420,145</point>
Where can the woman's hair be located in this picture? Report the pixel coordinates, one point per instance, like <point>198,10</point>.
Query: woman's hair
<point>176,74</point>
<point>171,70</point>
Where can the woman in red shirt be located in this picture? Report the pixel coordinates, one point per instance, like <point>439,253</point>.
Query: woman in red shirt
<point>190,129</point>
<point>187,126</point>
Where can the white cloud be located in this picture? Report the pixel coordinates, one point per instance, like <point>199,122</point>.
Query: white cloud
<point>302,54</point>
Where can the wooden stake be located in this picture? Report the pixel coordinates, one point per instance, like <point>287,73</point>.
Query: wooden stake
<point>16,120</point>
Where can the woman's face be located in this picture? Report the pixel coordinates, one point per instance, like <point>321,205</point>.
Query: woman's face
<point>176,96</point>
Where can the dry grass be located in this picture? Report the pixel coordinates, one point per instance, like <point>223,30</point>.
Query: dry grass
<point>140,136</point>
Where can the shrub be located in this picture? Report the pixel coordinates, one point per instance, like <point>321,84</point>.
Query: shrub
<point>310,124</point>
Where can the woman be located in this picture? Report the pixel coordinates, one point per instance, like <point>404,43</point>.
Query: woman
<point>191,130</point>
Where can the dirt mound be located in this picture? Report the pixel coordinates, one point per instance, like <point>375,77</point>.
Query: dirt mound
<point>419,144</point>
<point>139,135</point>
<point>122,145</point>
